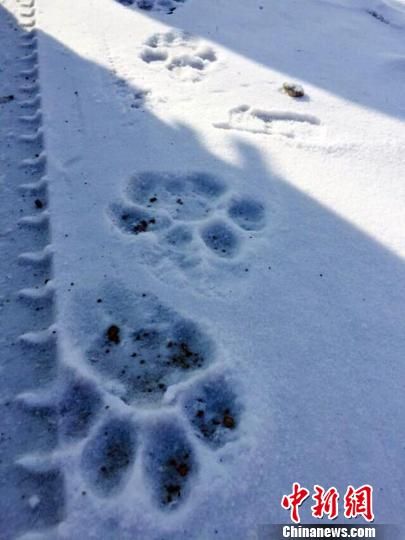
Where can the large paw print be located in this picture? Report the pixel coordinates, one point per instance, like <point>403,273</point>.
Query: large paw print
<point>188,219</point>
<point>168,6</point>
<point>181,53</point>
<point>139,350</point>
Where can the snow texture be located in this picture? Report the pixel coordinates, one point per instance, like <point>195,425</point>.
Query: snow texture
<point>202,276</point>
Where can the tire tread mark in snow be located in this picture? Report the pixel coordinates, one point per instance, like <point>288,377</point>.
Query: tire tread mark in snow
<point>40,493</point>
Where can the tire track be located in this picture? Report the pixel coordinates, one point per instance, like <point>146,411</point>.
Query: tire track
<point>32,481</point>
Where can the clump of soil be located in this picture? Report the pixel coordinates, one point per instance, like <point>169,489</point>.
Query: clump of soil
<point>209,425</point>
<point>181,467</point>
<point>113,334</point>
<point>183,357</point>
<point>178,468</point>
<point>143,225</point>
<point>293,90</point>
<point>228,421</point>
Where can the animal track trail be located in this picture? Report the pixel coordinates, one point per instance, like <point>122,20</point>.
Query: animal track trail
<point>253,120</point>
<point>150,347</point>
<point>182,54</point>
<point>132,97</point>
<point>188,220</point>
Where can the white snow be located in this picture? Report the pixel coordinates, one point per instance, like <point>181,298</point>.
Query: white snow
<point>210,238</point>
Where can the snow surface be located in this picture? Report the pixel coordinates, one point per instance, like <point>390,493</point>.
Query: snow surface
<point>214,271</point>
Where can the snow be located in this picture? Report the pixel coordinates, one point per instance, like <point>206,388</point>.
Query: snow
<point>218,266</point>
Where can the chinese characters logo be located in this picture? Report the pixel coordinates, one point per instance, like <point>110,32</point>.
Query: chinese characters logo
<point>357,502</point>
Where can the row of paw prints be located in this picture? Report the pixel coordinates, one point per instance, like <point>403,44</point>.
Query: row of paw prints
<point>141,351</point>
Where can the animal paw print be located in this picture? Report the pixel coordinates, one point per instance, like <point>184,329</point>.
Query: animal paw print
<point>181,53</point>
<point>185,218</point>
<point>168,6</point>
<point>159,349</point>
